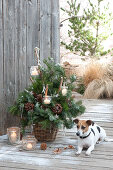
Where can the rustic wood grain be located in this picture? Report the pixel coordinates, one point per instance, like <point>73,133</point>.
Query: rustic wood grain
<point>1,67</point>
<point>24,25</point>
<point>55,38</point>
<point>45,29</point>
<point>33,23</point>
<point>23,43</point>
<point>9,58</point>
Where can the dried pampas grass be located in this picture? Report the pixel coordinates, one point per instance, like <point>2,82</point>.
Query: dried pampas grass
<point>109,71</point>
<point>93,71</point>
<point>99,88</point>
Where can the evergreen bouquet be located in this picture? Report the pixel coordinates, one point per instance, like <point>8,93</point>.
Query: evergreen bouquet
<point>32,106</point>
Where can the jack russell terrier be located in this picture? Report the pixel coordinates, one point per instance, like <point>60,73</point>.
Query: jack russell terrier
<point>89,134</point>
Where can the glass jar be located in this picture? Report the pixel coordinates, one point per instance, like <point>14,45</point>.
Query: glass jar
<point>13,135</point>
<point>29,142</point>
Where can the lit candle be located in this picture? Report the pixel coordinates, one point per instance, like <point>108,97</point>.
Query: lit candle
<point>29,146</point>
<point>13,136</point>
<point>34,73</point>
<point>46,101</point>
<point>64,91</point>
<point>34,70</point>
<point>29,142</point>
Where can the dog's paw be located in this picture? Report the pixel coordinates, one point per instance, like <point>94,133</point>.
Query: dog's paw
<point>77,153</point>
<point>88,153</point>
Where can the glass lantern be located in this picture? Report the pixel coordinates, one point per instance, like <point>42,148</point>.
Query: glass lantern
<point>47,99</point>
<point>34,71</point>
<point>29,142</point>
<point>13,135</point>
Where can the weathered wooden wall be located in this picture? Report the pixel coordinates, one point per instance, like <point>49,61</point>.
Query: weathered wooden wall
<point>24,24</point>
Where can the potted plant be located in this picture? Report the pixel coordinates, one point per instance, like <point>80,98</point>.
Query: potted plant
<point>46,115</point>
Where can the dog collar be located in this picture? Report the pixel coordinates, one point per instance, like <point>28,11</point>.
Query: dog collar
<point>83,137</point>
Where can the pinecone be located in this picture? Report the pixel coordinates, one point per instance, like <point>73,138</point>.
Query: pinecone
<point>38,97</point>
<point>34,94</point>
<point>43,146</point>
<point>44,107</point>
<point>57,108</point>
<point>28,106</point>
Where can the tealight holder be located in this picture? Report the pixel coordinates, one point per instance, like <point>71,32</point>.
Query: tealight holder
<point>47,99</point>
<point>34,71</point>
<point>13,135</point>
<point>64,90</point>
<point>29,142</point>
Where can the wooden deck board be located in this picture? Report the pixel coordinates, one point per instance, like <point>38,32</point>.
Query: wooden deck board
<point>100,111</point>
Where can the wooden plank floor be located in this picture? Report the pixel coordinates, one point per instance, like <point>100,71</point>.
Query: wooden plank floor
<point>100,111</point>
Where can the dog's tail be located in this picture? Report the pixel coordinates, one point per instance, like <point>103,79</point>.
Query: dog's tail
<point>108,140</point>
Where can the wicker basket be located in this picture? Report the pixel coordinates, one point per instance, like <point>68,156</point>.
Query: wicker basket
<point>45,135</point>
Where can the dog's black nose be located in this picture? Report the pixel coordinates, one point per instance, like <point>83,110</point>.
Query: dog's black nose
<point>78,134</point>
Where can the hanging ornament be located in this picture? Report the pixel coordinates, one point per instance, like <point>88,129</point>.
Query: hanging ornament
<point>57,108</point>
<point>34,70</point>
<point>64,90</point>
<point>47,99</point>
<point>29,106</point>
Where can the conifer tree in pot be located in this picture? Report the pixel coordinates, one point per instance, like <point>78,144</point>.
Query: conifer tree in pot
<point>48,117</point>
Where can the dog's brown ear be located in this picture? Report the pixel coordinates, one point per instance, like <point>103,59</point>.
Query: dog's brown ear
<point>89,122</point>
<point>76,121</point>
